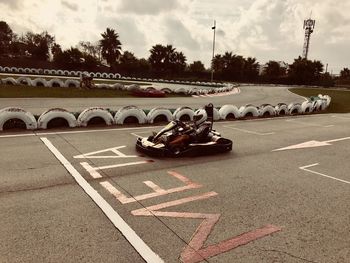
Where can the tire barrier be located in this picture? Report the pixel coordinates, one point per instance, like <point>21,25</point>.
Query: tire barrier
<point>13,113</point>
<point>24,81</point>
<point>229,112</point>
<point>56,113</point>
<point>166,90</point>
<point>9,81</point>
<point>95,112</point>
<point>118,86</point>
<point>104,75</point>
<point>130,113</point>
<point>71,83</point>
<point>55,83</point>
<point>281,109</point>
<point>158,115</point>
<point>103,86</point>
<point>39,82</point>
<point>295,108</point>
<point>307,107</point>
<point>133,87</point>
<point>180,91</point>
<point>183,113</point>
<point>249,111</point>
<point>267,110</point>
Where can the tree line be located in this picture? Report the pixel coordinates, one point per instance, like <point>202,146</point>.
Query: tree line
<point>164,61</point>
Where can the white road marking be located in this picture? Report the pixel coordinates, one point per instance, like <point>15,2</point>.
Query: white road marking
<point>311,144</point>
<point>136,134</point>
<point>76,132</point>
<point>310,124</point>
<point>140,246</point>
<point>251,132</point>
<point>324,175</point>
<point>91,170</point>
<point>115,150</point>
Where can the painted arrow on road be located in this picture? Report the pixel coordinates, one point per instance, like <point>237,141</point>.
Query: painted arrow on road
<point>311,144</point>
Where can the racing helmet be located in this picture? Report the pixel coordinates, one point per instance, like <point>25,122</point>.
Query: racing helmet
<point>200,116</point>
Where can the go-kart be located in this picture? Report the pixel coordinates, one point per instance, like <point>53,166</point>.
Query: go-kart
<point>159,144</point>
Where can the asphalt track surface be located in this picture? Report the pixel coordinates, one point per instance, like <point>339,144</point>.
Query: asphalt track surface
<point>255,95</point>
<point>253,204</point>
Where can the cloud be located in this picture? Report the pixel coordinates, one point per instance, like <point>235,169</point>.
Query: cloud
<point>177,34</point>
<point>11,3</point>
<point>151,7</point>
<point>71,6</point>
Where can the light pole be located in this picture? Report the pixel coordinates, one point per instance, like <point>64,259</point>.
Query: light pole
<point>212,66</point>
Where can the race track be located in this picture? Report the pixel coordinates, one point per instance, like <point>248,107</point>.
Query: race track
<point>255,95</point>
<point>254,204</point>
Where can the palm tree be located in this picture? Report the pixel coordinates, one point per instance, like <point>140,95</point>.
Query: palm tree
<point>111,46</point>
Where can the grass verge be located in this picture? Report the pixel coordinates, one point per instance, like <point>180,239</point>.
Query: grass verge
<point>340,98</point>
<point>11,91</point>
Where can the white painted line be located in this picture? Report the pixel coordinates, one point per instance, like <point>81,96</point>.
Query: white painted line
<point>76,132</point>
<point>115,150</point>
<point>140,246</point>
<point>91,170</point>
<point>251,132</point>
<point>120,165</point>
<point>324,175</point>
<point>136,134</point>
<point>310,124</point>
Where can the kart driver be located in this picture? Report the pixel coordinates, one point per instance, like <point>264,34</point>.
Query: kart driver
<point>199,133</point>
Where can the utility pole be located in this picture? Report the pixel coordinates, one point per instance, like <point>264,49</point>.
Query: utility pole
<point>309,26</point>
<point>212,66</point>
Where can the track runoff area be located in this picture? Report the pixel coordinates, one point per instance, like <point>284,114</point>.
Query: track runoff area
<point>281,195</point>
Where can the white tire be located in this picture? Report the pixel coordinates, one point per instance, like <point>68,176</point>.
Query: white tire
<point>282,109</point>
<point>98,75</point>
<point>180,91</point>
<point>27,70</point>
<point>307,107</point>
<point>103,86</point>
<point>229,111</point>
<point>60,72</point>
<point>14,70</point>
<point>166,90</point>
<point>183,111</point>
<point>39,82</point>
<point>118,86</point>
<point>95,112</point>
<point>117,76</point>
<point>47,71</point>
<point>133,87</point>
<point>24,81</point>
<point>1,69</point>
<point>159,112</point>
<point>71,83</point>
<point>9,81</point>
<point>130,111</point>
<point>249,111</point>
<point>111,76</point>
<point>92,74</point>
<point>55,83</point>
<point>7,69</point>
<point>267,110</point>
<point>51,114</point>
<point>295,108</point>
<point>104,75</point>
<point>17,113</point>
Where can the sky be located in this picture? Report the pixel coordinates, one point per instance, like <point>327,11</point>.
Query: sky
<point>264,29</point>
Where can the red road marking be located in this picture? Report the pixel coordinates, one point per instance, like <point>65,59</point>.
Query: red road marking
<point>158,191</point>
<point>194,251</point>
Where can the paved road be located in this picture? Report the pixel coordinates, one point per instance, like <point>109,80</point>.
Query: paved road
<point>255,95</point>
<point>255,204</point>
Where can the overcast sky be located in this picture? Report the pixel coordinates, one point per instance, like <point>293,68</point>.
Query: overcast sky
<point>265,29</point>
